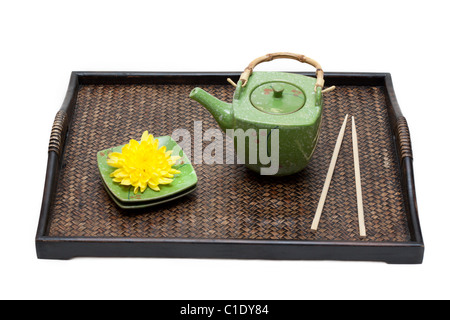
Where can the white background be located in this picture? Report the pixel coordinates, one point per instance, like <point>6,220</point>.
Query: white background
<point>43,41</point>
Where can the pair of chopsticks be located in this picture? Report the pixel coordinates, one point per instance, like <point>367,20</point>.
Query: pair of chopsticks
<point>362,228</point>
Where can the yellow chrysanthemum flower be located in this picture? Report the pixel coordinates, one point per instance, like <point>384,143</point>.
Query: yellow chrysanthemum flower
<point>143,164</point>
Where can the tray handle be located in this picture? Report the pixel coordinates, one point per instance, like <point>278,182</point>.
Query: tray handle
<point>58,132</point>
<point>404,138</point>
<point>286,55</point>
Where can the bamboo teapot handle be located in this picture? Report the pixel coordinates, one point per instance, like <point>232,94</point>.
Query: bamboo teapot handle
<point>286,55</point>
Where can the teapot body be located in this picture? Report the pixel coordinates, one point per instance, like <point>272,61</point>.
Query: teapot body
<point>279,115</point>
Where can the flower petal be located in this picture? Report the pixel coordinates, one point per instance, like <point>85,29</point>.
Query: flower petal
<point>155,188</point>
<point>126,182</point>
<point>144,136</point>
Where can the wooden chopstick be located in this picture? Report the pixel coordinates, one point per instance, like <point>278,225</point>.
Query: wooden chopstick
<point>323,196</point>
<point>362,227</point>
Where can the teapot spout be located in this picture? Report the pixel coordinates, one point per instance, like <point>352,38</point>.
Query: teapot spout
<point>221,111</point>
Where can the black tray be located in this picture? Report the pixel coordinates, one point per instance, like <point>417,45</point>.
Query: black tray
<point>233,213</point>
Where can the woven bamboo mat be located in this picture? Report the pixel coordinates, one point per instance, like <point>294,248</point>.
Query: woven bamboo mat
<point>230,202</point>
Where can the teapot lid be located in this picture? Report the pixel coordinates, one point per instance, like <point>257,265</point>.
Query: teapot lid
<point>277,97</point>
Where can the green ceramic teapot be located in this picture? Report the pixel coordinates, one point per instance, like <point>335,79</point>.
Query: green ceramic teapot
<point>281,111</point>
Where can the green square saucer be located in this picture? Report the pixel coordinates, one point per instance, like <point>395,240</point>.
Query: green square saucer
<point>185,181</point>
<point>140,205</point>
